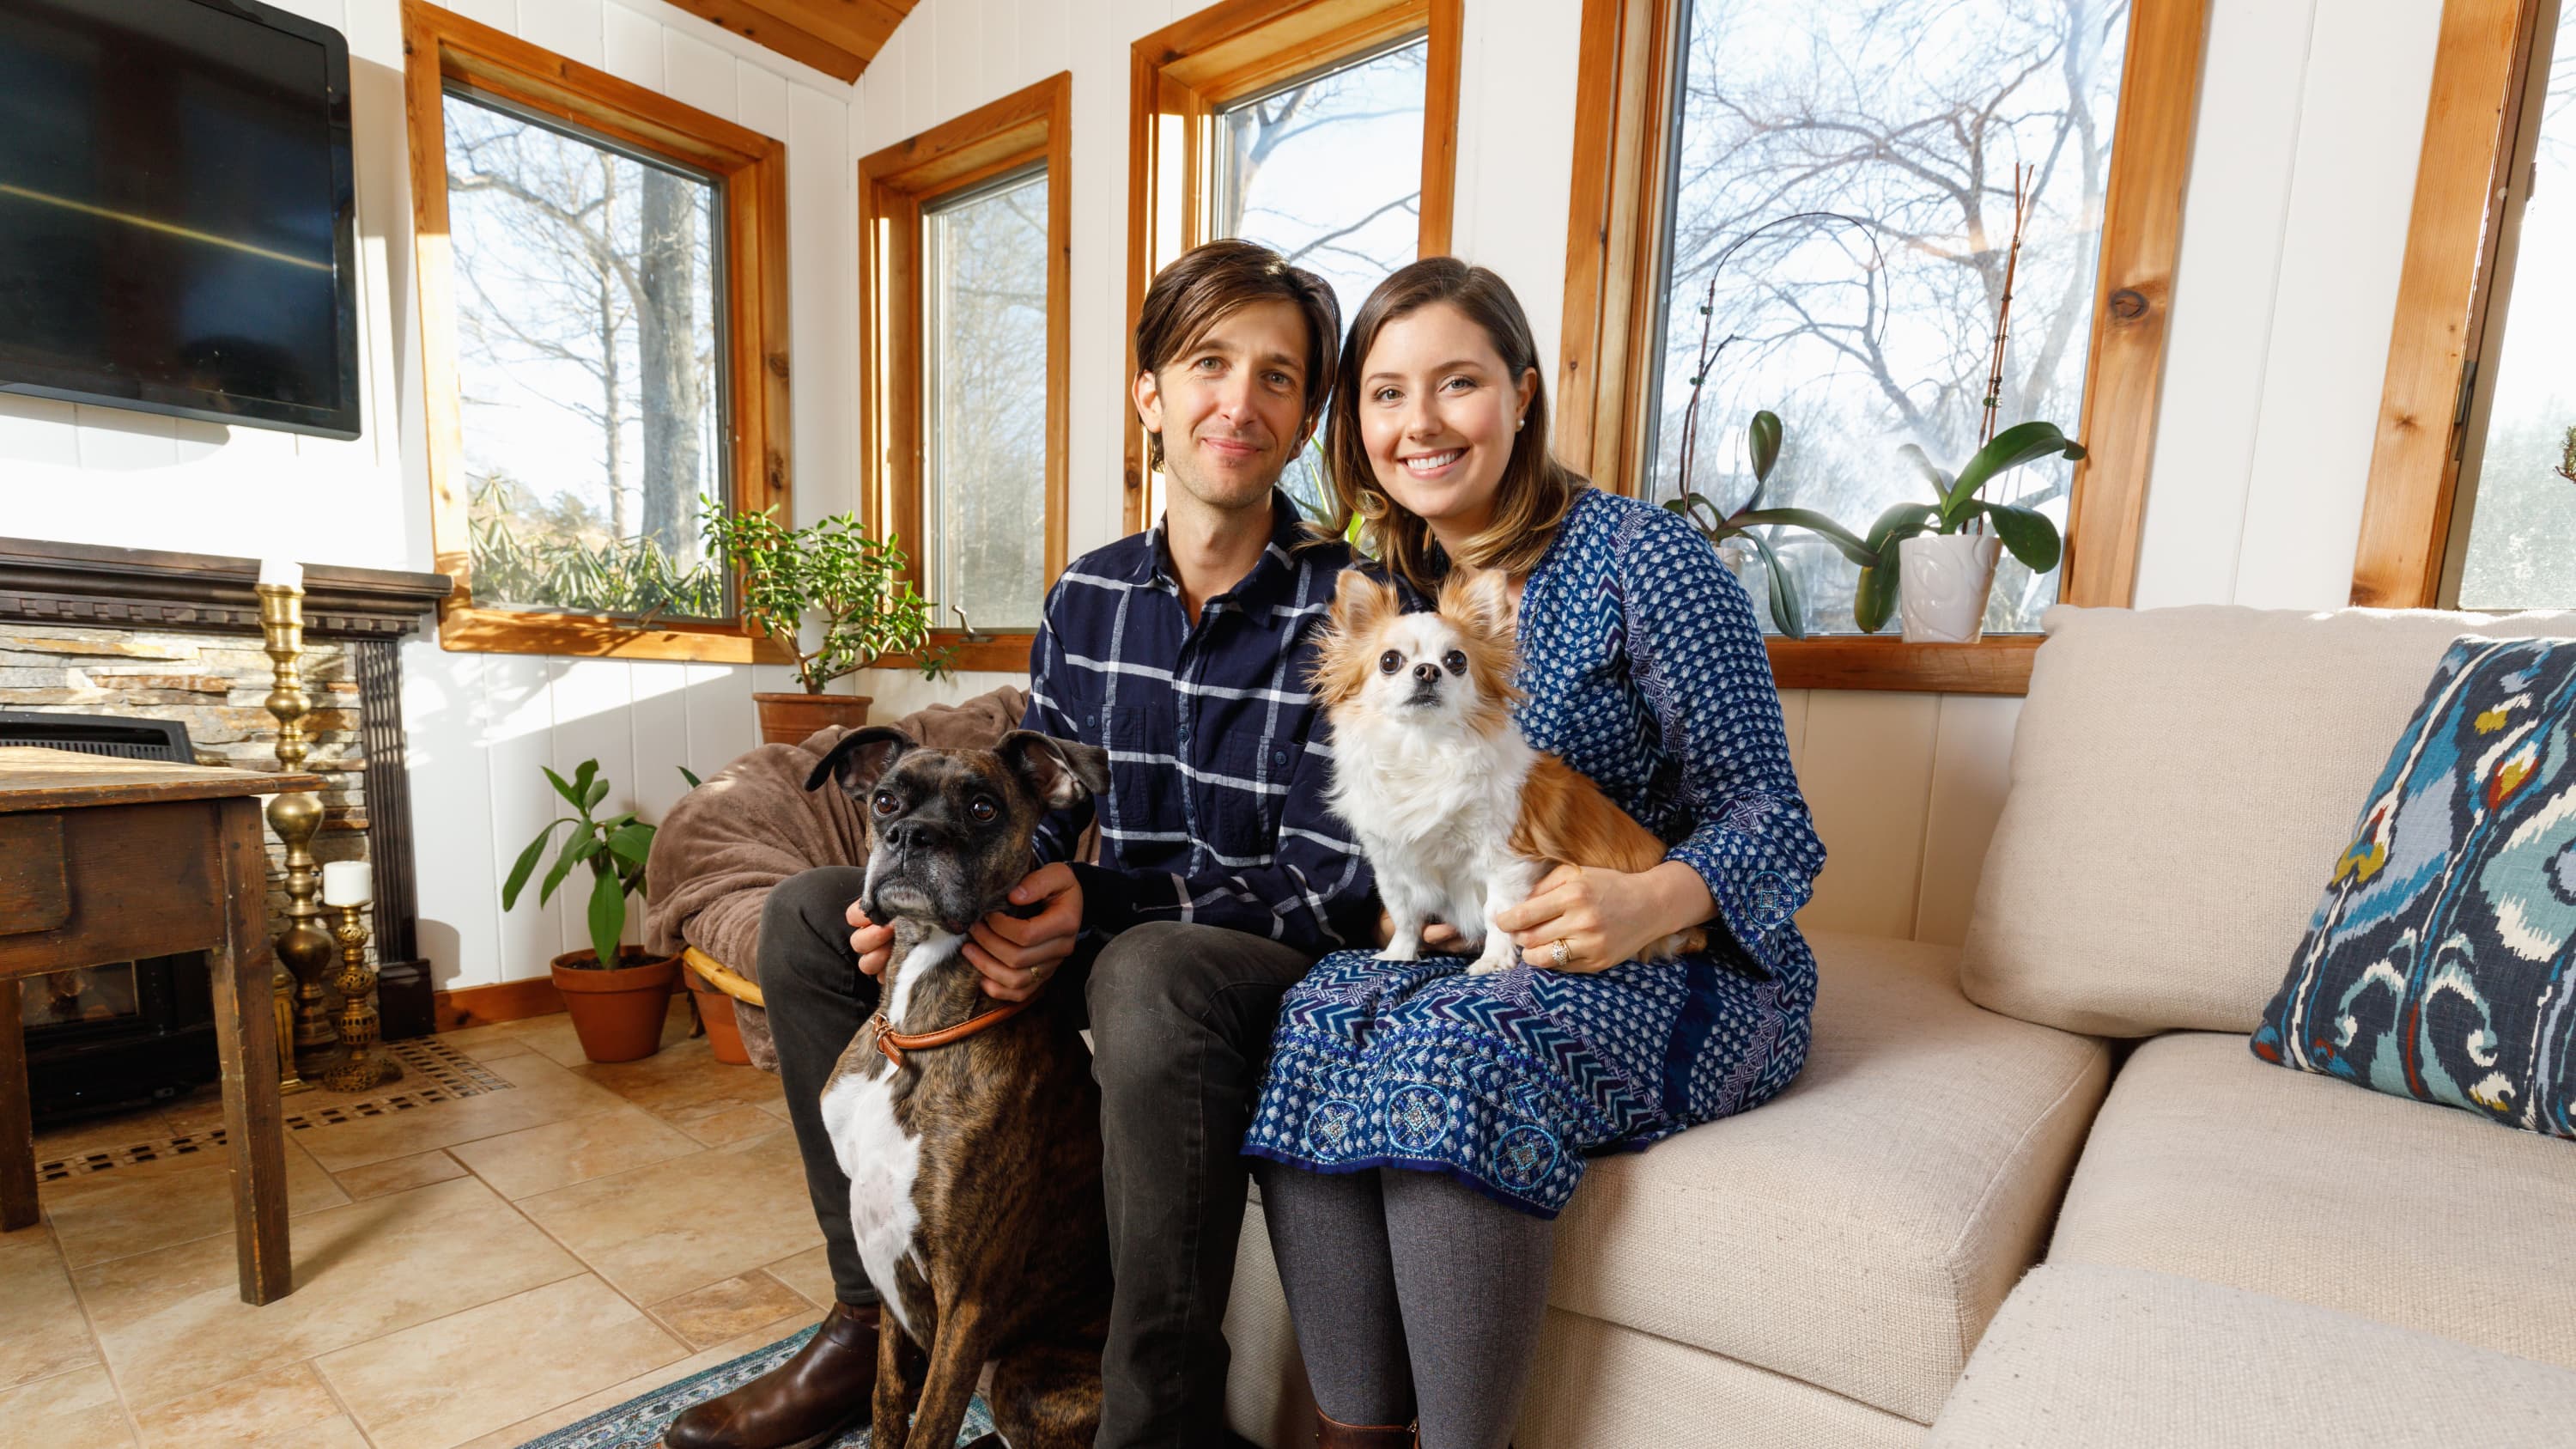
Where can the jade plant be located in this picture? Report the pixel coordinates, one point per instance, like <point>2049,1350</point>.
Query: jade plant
<point>834,570</point>
<point>615,849</point>
<point>2567,458</point>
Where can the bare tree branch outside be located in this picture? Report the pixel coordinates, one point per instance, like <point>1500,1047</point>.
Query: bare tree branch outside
<point>984,319</point>
<point>1909,116</point>
<point>586,314</point>
<point>2522,537</point>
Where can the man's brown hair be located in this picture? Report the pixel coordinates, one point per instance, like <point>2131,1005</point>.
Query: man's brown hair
<point>1205,284</point>
<point>1536,491</point>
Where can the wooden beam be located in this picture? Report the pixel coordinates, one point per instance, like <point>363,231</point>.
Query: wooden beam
<point>762,25</point>
<point>2460,182</point>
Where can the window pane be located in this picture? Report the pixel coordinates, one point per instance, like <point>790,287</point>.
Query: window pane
<point>2522,535</point>
<point>984,402</point>
<point>1328,172</point>
<point>1869,328</point>
<point>587,339</point>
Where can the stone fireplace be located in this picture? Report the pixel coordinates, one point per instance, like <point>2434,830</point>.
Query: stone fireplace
<point>138,634</point>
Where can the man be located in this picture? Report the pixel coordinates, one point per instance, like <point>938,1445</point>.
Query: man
<point>1222,876</point>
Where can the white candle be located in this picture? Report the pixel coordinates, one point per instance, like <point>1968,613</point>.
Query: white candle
<point>348,883</point>
<point>286,573</point>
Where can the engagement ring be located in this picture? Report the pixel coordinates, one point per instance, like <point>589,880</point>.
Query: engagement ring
<point>1561,953</point>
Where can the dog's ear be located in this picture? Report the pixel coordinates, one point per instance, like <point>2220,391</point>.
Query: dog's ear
<point>862,758</point>
<point>1059,773</point>
<point>1361,603</point>
<point>1479,600</point>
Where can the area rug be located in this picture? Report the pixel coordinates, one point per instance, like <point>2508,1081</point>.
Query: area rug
<point>638,1423</point>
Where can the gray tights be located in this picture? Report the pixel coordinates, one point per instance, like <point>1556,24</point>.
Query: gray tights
<point>1413,1297</point>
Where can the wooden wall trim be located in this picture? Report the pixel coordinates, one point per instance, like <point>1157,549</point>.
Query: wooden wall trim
<point>1997,664</point>
<point>2460,182</point>
<point>502,1001</point>
<point>441,47</point>
<point>1029,125</point>
<point>1178,77</point>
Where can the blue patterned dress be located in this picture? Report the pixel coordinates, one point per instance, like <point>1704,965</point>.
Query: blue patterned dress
<point>1645,670</point>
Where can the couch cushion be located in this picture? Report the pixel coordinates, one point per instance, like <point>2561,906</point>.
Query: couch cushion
<point>2209,1164</point>
<point>2437,965</point>
<point>2114,1358</point>
<point>1857,1231</point>
<point>2182,781</point>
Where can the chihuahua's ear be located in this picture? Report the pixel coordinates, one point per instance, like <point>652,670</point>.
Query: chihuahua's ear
<point>1361,603</point>
<point>1059,773</point>
<point>862,758</point>
<point>1480,600</point>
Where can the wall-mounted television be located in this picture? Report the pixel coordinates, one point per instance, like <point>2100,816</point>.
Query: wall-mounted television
<point>176,212</point>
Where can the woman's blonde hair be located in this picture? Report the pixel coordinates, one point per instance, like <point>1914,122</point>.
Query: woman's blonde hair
<point>1536,491</point>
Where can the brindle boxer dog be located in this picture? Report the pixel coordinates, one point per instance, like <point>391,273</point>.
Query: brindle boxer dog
<point>974,1161</point>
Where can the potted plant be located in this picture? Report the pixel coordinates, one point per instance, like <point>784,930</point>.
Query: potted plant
<point>617,995</point>
<point>2567,458</point>
<point>854,584</point>
<point>1934,563</point>
<point>1762,438</point>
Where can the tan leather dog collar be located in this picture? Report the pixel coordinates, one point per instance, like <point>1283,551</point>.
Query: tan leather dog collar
<point>895,1043</point>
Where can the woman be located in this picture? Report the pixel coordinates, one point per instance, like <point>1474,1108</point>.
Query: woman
<point>1423,1127</point>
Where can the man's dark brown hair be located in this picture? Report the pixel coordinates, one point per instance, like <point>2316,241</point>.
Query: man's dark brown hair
<point>1207,283</point>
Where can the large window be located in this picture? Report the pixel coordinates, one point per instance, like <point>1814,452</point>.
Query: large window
<point>601,274</point>
<point>1325,131</point>
<point>963,287</point>
<point>1819,194</point>
<point>2516,526</point>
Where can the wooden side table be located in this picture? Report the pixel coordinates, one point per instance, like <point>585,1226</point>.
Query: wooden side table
<point>111,860</point>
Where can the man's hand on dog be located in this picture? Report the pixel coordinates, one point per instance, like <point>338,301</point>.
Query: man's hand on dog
<point>1015,956</point>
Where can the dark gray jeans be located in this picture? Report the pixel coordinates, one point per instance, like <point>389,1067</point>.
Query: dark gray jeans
<point>1180,1017</point>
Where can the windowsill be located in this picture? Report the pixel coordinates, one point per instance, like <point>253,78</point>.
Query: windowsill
<point>1997,664</point>
<point>471,630</point>
<point>1006,653</point>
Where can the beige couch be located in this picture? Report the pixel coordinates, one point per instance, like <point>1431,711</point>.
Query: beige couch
<point>2231,1253</point>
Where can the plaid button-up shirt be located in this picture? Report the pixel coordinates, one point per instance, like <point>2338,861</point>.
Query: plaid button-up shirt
<point>1217,753</point>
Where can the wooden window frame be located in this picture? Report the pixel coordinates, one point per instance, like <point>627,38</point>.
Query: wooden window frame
<point>1186,72</point>
<point>441,48</point>
<point>1616,219</point>
<point>2480,73</point>
<point>1029,125</point>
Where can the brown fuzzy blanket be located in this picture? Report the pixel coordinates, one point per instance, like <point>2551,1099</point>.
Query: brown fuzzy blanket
<point>754,824</point>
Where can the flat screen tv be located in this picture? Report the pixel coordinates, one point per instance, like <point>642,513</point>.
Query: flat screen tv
<point>176,213</point>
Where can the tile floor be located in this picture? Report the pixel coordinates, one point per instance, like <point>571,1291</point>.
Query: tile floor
<point>475,1271</point>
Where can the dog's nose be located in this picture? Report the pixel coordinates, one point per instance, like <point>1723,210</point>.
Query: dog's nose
<point>1427,672</point>
<point>906,834</point>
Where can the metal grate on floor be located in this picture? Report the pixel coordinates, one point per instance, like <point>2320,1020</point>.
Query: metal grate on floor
<point>432,1072</point>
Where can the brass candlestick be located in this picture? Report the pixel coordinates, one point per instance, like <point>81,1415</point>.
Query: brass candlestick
<point>363,1068</point>
<point>303,947</point>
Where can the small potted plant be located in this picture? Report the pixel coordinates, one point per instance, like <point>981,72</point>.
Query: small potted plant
<point>852,583</point>
<point>617,995</point>
<point>2567,458</point>
<point>1934,563</point>
<point>1762,439</point>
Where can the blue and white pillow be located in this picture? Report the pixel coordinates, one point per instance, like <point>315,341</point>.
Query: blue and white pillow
<point>2441,964</point>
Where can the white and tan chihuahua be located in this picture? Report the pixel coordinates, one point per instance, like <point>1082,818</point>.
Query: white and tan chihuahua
<point>1459,816</point>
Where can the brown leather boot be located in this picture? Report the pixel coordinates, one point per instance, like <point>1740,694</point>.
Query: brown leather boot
<point>1330,1433</point>
<point>822,1390</point>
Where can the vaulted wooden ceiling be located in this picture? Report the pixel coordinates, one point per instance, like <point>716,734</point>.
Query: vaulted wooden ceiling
<point>838,37</point>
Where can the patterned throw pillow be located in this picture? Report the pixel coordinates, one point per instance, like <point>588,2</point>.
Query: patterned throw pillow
<point>2441,964</point>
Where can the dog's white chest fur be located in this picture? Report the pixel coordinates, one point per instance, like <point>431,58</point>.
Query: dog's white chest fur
<point>880,1158</point>
<point>1435,810</point>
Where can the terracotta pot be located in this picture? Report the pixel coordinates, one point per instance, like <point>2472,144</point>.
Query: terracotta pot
<point>618,1014</point>
<point>787,719</point>
<point>724,1034</point>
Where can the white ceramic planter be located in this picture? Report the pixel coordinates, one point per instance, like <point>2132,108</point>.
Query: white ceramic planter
<point>1941,585</point>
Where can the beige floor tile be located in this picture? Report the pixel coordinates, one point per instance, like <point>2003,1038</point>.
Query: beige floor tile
<point>776,1107</point>
<point>542,1092</point>
<point>283,1406</point>
<point>500,1039</point>
<point>559,1154</point>
<point>809,1273</point>
<point>172,1320</point>
<point>719,1311</point>
<point>729,1125</point>
<point>42,1330</point>
<point>398,1174</point>
<point>553,1036</point>
<point>683,1079</point>
<point>472,1372</point>
<point>659,1231</point>
<point>69,1411</point>
<point>147,1205</point>
<point>579,1409</point>
<point>98,1134</point>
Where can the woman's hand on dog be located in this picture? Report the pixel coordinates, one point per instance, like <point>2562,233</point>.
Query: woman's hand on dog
<point>1015,956</point>
<point>1605,917</point>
